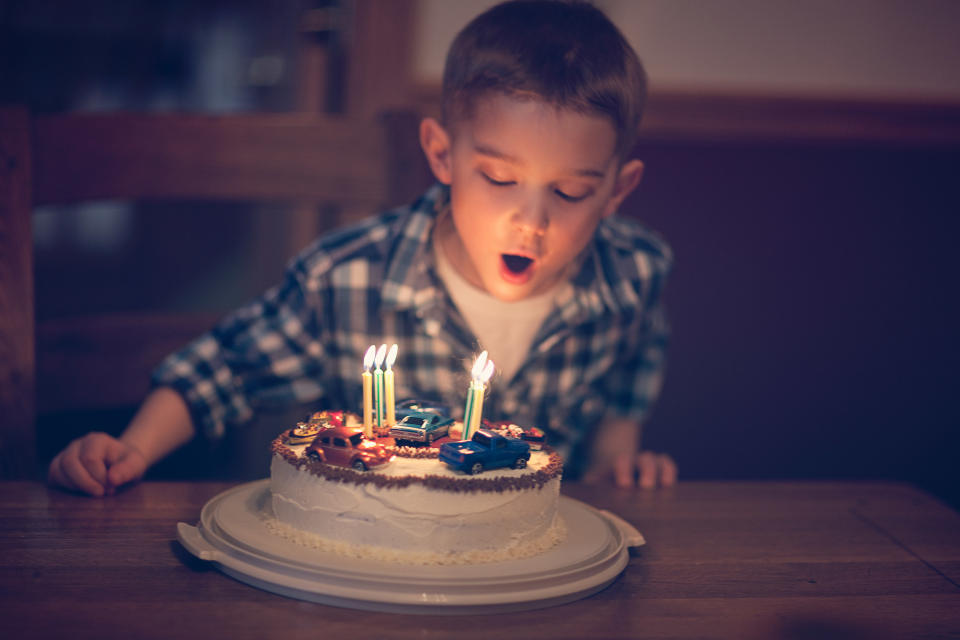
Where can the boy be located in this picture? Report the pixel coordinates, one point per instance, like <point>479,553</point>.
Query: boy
<point>514,251</point>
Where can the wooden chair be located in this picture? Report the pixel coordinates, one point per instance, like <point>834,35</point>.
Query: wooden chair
<point>353,165</point>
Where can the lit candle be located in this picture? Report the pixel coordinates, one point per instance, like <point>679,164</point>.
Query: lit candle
<point>481,390</point>
<point>478,365</point>
<point>368,392</point>
<point>378,404</point>
<point>470,423</point>
<point>388,387</point>
<point>472,415</point>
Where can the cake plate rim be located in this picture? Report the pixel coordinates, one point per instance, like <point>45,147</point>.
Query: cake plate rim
<point>228,535</point>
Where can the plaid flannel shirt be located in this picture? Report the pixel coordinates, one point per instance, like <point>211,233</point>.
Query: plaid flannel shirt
<point>599,353</point>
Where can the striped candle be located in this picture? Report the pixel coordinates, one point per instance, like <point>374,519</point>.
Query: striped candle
<point>378,400</point>
<point>388,386</point>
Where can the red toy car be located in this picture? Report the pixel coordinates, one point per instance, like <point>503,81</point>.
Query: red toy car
<point>327,418</point>
<point>346,447</point>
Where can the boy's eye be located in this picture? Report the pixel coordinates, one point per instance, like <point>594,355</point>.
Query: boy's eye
<point>496,182</point>
<point>572,197</point>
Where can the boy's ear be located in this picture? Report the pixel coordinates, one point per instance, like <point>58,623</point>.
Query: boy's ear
<point>435,142</point>
<point>627,180</point>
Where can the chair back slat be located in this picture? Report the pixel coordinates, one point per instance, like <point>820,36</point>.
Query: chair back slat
<point>264,156</point>
<point>116,352</point>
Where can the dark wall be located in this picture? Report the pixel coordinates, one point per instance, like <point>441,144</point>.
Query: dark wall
<point>814,310</point>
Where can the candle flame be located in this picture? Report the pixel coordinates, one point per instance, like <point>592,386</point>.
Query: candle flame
<point>381,354</point>
<point>391,356</point>
<point>478,365</point>
<point>368,357</point>
<point>487,372</point>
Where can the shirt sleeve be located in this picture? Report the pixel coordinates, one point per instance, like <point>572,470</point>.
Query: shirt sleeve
<point>264,354</point>
<point>635,386</point>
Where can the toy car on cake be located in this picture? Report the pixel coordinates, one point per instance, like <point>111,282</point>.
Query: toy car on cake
<point>346,447</point>
<point>411,406</point>
<point>485,450</point>
<point>327,418</point>
<point>536,437</point>
<point>420,426</point>
<point>303,433</point>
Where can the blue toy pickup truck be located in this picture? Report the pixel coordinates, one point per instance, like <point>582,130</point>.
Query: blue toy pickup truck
<point>420,426</point>
<point>486,450</point>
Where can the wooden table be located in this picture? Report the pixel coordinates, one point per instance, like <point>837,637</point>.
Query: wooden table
<point>726,560</point>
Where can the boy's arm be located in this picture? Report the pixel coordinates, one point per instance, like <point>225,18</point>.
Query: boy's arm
<point>98,463</point>
<point>616,456</point>
<point>615,452</point>
<point>269,352</point>
<point>265,349</point>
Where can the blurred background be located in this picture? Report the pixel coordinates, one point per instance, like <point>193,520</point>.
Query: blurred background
<point>801,160</point>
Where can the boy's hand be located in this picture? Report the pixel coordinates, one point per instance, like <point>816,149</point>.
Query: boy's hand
<point>97,464</point>
<point>645,469</point>
<point>616,456</point>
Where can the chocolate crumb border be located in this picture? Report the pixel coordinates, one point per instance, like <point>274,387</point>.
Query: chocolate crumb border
<point>535,480</point>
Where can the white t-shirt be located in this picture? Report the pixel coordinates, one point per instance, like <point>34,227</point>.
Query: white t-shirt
<point>505,329</point>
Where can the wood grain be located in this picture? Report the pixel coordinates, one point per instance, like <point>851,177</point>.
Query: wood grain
<point>723,560</point>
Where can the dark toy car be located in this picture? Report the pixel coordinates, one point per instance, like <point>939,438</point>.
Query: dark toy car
<point>411,406</point>
<point>327,418</point>
<point>536,437</point>
<point>346,447</point>
<point>420,426</point>
<point>303,433</point>
<point>486,450</point>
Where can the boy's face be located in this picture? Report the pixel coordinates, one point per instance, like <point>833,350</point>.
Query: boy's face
<point>528,185</point>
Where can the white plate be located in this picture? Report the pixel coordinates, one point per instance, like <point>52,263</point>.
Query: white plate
<point>232,534</point>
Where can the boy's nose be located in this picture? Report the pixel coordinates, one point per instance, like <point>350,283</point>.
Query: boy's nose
<point>532,218</point>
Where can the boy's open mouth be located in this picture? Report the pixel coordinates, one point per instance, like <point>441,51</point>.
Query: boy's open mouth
<point>516,268</point>
<point>516,264</point>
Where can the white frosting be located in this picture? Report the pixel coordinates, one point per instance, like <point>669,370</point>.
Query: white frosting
<point>416,523</point>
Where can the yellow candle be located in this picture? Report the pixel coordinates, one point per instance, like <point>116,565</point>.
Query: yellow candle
<point>367,404</point>
<point>368,392</point>
<point>478,390</point>
<point>473,414</point>
<point>481,389</point>
<point>468,411</point>
<point>388,387</point>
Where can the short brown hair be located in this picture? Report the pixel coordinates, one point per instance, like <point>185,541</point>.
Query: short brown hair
<point>566,53</point>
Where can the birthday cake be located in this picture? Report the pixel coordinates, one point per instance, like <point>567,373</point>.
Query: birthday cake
<point>423,489</point>
<point>409,505</point>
